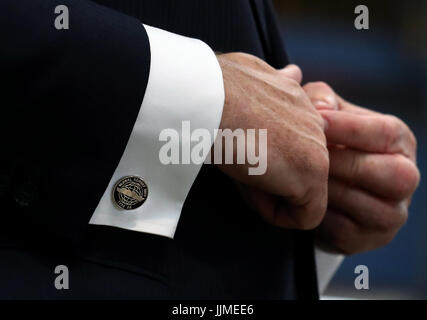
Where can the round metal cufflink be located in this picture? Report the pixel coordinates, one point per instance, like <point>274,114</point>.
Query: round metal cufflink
<point>130,193</point>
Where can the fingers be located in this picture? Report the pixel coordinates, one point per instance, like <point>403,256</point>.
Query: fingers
<point>352,108</point>
<point>372,173</point>
<point>370,133</point>
<point>341,234</point>
<point>281,213</point>
<point>304,216</point>
<point>365,209</point>
<point>391,176</point>
<point>322,96</point>
<point>293,72</point>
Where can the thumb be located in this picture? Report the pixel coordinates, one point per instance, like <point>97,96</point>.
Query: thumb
<point>292,71</point>
<point>322,96</point>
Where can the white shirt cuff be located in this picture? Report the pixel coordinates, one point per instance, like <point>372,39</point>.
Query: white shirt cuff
<point>185,84</point>
<point>326,264</point>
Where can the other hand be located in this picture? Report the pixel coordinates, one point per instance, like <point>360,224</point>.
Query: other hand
<point>373,173</point>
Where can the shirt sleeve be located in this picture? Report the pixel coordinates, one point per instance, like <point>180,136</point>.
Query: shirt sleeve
<point>327,264</point>
<point>185,84</point>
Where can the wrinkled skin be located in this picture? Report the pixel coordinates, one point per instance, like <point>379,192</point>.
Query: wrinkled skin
<point>293,191</point>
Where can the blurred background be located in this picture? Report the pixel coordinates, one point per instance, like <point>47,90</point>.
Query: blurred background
<point>383,68</point>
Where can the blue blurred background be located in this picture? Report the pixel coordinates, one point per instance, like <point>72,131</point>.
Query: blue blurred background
<point>383,68</point>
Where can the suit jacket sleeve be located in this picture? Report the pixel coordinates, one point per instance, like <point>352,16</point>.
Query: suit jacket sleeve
<point>70,100</point>
<point>184,96</point>
<point>75,124</point>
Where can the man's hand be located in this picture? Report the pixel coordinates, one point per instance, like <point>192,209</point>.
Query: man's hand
<point>373,173</point>
<point>293,192</point>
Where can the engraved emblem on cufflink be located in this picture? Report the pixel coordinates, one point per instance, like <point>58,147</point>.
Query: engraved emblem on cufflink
<point>130,192</point>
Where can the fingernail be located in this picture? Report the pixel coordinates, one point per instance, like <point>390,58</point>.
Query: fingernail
<point>325,124</point>
<point>326,115</point>
<point>327,103</point>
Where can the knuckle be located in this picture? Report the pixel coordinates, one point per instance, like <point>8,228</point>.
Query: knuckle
<point>354,128</point>
<point>318,176</point>
<point>322,164</point>
<point>407,176</point>
<point>416,178</point>
<point>412,140</point>
<point>315,171</point>
<point>316,207</point>
<point>311,191</point>
<point>403,216</point>
<point>297,90</point>
<point>395,122</point>
<point>310,220</point>
<point>341,240</point>
<point>393,218</point>
<point>393,130</point>
<point>299,194</point>
<point>314,202</point>
<point>298,70</point>
<point>292,91</point>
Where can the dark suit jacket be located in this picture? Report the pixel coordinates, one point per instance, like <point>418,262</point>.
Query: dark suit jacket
<point>69,103</point>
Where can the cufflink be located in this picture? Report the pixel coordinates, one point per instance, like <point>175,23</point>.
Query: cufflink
<point>130,193</point>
